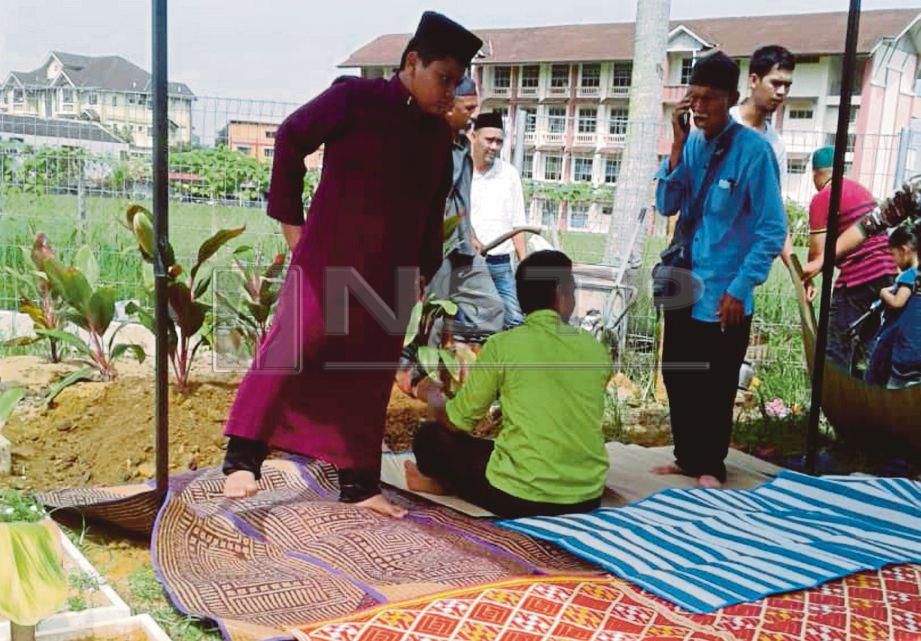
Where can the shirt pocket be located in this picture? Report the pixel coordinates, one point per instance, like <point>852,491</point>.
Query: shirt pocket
<point>722,196</point>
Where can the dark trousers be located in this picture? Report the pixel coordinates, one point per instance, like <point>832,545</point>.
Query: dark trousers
<point>458,461</point>
<point>847,305</point>
<point>700,366</point>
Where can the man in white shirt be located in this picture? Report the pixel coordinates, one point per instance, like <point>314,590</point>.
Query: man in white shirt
<point>770,76</point>
<point>497,207</point>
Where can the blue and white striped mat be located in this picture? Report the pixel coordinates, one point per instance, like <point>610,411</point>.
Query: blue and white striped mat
<point>708,549</point>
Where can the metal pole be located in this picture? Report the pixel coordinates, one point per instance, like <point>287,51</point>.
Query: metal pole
<point>161,236</point>
<point>831,236</point>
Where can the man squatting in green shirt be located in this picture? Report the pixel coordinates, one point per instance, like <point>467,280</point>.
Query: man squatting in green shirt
<point>550,379</point>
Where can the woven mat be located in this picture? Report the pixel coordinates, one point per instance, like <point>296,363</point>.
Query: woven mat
<point>293,555</point>
<point>883,605</point>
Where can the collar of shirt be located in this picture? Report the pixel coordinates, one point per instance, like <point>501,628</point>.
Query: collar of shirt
<point>543,318</point>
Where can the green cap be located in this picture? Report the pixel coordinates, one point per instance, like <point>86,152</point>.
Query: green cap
<point>823,158</point>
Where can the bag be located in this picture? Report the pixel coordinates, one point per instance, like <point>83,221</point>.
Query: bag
<point>674,266</point>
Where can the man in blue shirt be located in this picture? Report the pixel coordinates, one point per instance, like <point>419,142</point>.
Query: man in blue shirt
<point>741,229</point>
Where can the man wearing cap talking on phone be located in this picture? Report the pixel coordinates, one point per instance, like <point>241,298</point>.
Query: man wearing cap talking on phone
<point>723,178</point>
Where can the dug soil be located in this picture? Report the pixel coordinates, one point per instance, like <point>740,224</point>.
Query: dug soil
<point>102,433</point>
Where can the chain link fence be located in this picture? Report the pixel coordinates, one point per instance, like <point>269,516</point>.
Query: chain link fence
<point>72,181</point>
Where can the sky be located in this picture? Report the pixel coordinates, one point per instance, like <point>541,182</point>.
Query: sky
<point>288,50</point>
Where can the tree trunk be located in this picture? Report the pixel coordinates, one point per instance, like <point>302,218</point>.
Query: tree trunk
<point>638,163</point>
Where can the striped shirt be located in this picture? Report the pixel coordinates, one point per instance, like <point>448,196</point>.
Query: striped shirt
<point>872,259</point>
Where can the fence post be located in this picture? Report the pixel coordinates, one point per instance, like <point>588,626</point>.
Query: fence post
<point>81,204</point>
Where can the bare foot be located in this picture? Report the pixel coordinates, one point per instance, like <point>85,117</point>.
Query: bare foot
<point>663,470</point>
<point>381,505</point>
<point>709,482</point>
<point>240,485</point>
<point>418,482</point>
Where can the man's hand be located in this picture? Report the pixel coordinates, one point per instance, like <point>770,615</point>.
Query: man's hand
<point>477,246</point>
<point>681,128</point>
<point>731,312</point>
<point>240,485</point>
<point>811,290</point>
<point>813,268</point>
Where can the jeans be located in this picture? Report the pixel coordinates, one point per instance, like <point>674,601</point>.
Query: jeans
<point>504,279</point>
<point>847,305</point>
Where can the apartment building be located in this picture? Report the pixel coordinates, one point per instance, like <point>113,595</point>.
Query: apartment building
<point>571,84</point>
<point>256,138</point>
<point>109,90</point>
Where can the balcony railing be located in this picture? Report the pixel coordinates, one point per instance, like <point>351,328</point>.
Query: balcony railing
<point>558,91</point>
<point>615,140</point>
<point>530,137</point>
<point>552,138</point>
<point>619,92</point>
<point>673,93</point>
<point>589,92</point>
<point>527,92</point>
<point>500,92</point>
<point>585,139</point>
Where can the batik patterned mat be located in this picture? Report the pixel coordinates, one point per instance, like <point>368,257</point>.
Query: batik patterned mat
<point>882,605</point>
<point>293,554</point>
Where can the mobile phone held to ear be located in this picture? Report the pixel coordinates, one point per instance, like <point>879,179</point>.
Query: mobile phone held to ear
<point>686,121</point>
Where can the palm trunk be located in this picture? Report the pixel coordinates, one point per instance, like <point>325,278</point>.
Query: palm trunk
<point>638,163</point>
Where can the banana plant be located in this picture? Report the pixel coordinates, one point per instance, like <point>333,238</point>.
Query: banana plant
<point>38,299</point>
<point>253,303</point>
<point>30,564</point>
<point>187,312</point>
<point>91,308</point>
<point>441,363</point>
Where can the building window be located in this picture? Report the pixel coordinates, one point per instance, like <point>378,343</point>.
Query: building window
<point>687,66</point>
<point>623,72</point>
<point>617,122</point>
<point>114,101</point>
<point>243,149</point>
<point>559,76</point>
<point>502,111</point>
<point>848,166</point>
<point>549,211</point>
<point>918,78</point>
<point>67,96</point>
<point>19,96</point>
<point>92,98</point>
<point>588,120</point>
<point>800,114</point>
<point>607,210</point>
<point>852,116</point>
<point>269,152</point>
<point>582,169</point>
<point>270,134</point>
<point>530,120</point>
<point>502,77</point>
<point>527,166</point>
<point>611,169</point>
<point>553,167</point>
<point>557,120</point>
<point>578,216</point>
<point>530,77</point>
<point>849,145</point>
<point>132,99</point>
<point>591,76</point>
<point>796,166</point>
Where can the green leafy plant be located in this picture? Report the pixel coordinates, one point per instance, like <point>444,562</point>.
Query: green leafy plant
<point>440,363</point>
<point>38,299</point>
<point>577,192</point>
<point>82,586</point>
<point>186,324</point>
<point>92,308</point>
<point>252,304</point>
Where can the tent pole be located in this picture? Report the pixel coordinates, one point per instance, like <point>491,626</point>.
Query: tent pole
<point>161,237</point>
<point>848,71</point>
